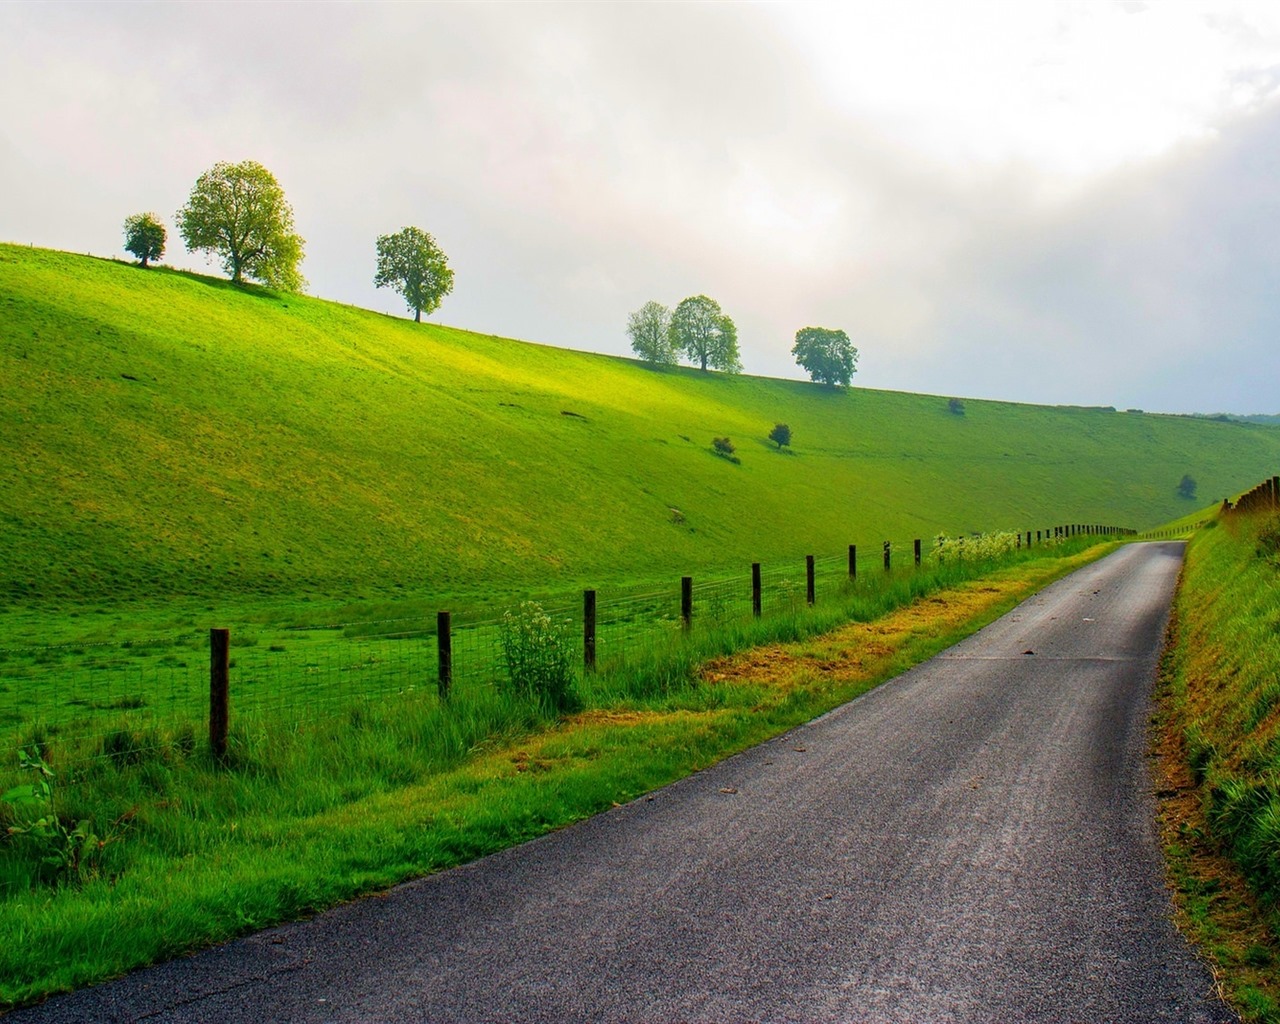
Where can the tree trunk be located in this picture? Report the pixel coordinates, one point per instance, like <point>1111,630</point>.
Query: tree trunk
<point>417,316</point>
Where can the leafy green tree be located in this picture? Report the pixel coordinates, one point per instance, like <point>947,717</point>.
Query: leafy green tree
<point>827,355</point>
<point>413,265</point>
<point>144,237</point>
<point>650,330</point>
<point>1187,486</point>
<point>780,435</point>
<point>704,334</point>
<point>239,212</point>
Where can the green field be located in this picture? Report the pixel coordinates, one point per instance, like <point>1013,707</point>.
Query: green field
<point>178,443</point>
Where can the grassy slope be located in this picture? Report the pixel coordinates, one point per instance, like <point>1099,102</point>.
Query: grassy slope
<point>1222,712</point>
<point>285,445</point>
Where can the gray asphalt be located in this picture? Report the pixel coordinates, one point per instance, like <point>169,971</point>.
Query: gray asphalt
<point>972,841</point>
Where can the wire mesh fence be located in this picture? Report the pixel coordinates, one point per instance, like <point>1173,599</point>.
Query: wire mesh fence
<point>106,700</point>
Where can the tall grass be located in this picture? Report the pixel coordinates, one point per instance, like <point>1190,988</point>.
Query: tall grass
<point>1225,668</point>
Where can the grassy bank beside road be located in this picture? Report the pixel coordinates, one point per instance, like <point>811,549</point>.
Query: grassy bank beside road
<point>304,819</point>
<point>1220,736</point>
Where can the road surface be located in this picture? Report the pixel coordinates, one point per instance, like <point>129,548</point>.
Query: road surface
<point>972,841</point>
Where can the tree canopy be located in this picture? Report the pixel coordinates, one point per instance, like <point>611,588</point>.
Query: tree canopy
<point>144,237</point>
<point>780,435</point>
<point>410,263</point>
<point>239,212</point>
<point>826,354</point>
<point>704,334</point>
<point>650,330</point>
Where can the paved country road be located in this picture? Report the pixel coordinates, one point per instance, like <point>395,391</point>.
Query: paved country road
<point>972,841</point>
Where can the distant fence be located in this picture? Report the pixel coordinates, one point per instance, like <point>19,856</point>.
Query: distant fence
<point>1264,497</point>
<point>105,699</point>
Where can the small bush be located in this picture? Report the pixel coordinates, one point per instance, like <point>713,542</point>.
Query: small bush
<point>956,406</point>
<point>725,448</point>
<point>976,548</point>
<point>539,656</point>
<point>66,851</point>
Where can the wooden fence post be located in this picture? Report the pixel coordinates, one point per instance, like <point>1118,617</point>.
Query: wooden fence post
<point>886,556</point>
<point>755,589</point>
<point>808,578</point>
<point>444,653</point>
<point>589,630</point>
<point>219,691</point>
<point>686,600</point>
<point>853,561</point>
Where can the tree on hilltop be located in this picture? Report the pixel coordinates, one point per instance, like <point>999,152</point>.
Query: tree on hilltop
<point>705,334</point>
<point>649,328</point>
<point>826,354</point>
<point>411,264</point>
<point>239,212</point>
<point>144,237</point>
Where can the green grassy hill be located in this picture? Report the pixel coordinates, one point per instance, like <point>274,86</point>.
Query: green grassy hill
<point>166,434</point>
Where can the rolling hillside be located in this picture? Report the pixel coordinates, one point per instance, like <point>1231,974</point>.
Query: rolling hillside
<point>166,434</point>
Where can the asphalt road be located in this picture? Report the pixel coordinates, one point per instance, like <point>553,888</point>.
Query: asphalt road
<point>972,841</point>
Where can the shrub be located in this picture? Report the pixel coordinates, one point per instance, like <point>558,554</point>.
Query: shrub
<point>780,435</point>
<point>975,548</point>
<point>539,655</point>
<point>956,406</point>
<point>65,851</point>
<point>725,448</point>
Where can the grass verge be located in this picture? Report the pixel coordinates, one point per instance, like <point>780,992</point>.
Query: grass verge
<point>303,821</point>
<point>1217,745</point>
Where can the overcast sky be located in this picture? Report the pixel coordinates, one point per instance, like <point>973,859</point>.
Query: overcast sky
<point>1049,202</point>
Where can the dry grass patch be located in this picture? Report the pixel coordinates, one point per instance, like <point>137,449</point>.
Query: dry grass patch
<point>863,653</point>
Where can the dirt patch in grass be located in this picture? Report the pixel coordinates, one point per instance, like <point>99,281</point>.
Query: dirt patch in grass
<point>864,651</point>
<point>609,716</point>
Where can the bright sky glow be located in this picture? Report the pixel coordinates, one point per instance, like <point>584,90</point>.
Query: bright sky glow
<point>1071,89</point>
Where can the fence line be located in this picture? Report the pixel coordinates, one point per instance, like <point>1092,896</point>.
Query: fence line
<point>1263,497</point>
<point>112,700</point>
